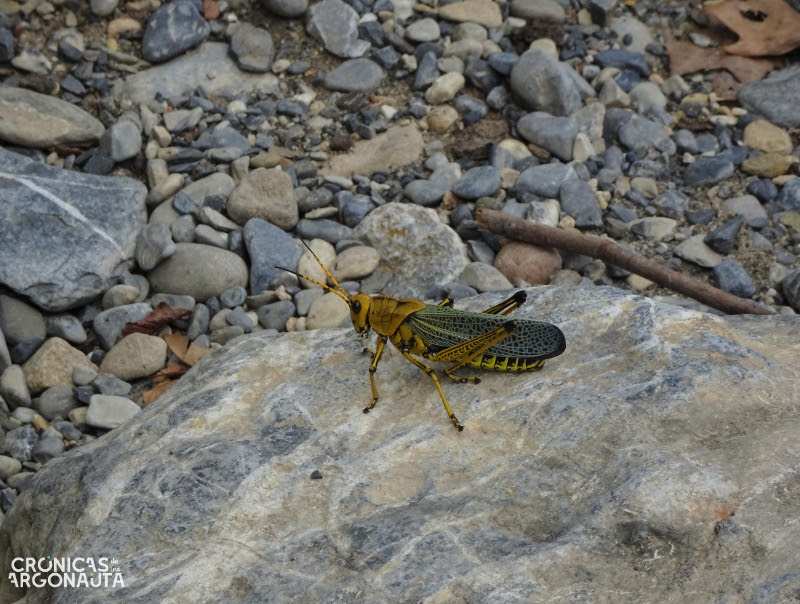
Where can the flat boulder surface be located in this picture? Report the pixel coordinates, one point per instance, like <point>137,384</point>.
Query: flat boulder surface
<point>655,458</point>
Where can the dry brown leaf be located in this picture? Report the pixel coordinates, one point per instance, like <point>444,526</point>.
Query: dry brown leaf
<point>150,395</point>
<point>171,372</point>
<point>161,315</point>
<point>187,352</point>
<point>686,58</point>
<point>765,27</point>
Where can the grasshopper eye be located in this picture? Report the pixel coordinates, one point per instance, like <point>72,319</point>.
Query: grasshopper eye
<point>356,306</point>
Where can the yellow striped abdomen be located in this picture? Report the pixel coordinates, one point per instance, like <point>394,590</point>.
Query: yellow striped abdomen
<point>507,364</point>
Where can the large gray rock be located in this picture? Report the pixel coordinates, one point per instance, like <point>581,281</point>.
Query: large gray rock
<point>417,250</point>
<point>775,97</point>
<point>65,236</point>
<point>208,67</point>
<point>39,120</point>
<point>656,457</point>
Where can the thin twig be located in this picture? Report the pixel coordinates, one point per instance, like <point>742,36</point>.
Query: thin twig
<point>612,253</point>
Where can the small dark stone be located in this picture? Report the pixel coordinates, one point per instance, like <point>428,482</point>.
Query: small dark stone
<point>708,170</point>
<point>734,279</point>
<point>316,475</point>
<point>763,189</point>
<point>702,216</point>
<point>723,239</point>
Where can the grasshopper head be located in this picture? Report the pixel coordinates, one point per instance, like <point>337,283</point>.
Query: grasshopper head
<point>359,313</point>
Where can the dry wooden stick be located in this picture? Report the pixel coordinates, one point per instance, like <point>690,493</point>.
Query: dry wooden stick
<point>613,253</point>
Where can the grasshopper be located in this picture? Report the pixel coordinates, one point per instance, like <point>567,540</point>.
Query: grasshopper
<point>486,340</point>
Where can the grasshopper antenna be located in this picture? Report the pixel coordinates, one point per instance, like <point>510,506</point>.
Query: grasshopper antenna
<point>338,290</point>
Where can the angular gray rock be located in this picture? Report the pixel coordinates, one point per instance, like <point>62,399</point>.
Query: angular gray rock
<point>209,67</point>
<point>173,28</point>
<point>656,458</point>
<point>420,250</point>
<point>335,24</point>
<point>544,84</point>
<point>775,97</point>
<point>65,236</point>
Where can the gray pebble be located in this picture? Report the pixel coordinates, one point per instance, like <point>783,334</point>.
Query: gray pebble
<point>425,192</point>
<point>66,327</point>
<point>484,278</point>
<point>556,134</point>
<point>579,201</point>
<point>707,171</point>
<point>640,134</point>
<point>355,75</point>
<point>46,449</point>
<point>83,394</point>
<point>105,383</point>
<point>723,239</point>
<point>20,441</point>
<point>544,84</point>
<point>734,279</point>
<point>323,228</point>
<point>235,296</point>
<point>25,415</point>
<point>173,301</point>
<point>252,47</point>
<point>789,197</point>
<point>68,430</point>
<point>672,203</point>
<point>153,244</point>
<point>120,295</point>
<point>545,180</point>
<point>481,181</point>
<point>695,250</point>
<point>268,247</point>
<point>107,411</point>
<point>20,322</point>
<point>172,29</point>
<point>335,24</point>
<point>304,298</point>
<point>275,315</point>
<point>14,388</point>
<point>108,324</point>
<point>56,401</point>
<point>238,317</point>
<point>198,324</point>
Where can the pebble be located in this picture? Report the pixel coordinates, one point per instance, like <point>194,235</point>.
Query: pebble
<point>723,239</point>
<point>52,364</point>
<point>275,315</point>
<point>484,278</point>
<point>267,194</point>
<point>578,200</point>
<point>556,134</point>
<point>335,25</point>
<point>355,75</point>
<point>791,289</point>
<point>477,182</point>
<point>329,310</point>
<point>734,279</point>
<point>14,388</point>
<point>108,324</point>
<point>708,170</point>
<point>172,29</point>
<point>356,263</point>
<point>134,356</point>
<point>108,411</point>
<point>56,401</point>
<point>694,249</point>
<point>105,383</point>
<point>253,48</point>
<point>9,466</point>
<point>545,180</point>
<point>67,327</point>
<point>187,271</point>
<point>532,264</point>
<point>46,449</point>
<point>543,84</point>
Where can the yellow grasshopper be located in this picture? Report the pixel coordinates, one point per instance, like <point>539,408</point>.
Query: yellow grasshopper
<point>486,340</point>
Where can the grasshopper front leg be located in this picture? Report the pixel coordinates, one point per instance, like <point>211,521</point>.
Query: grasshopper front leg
<point>373,368</point>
